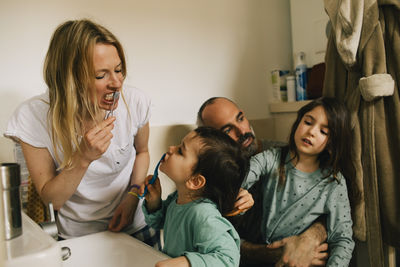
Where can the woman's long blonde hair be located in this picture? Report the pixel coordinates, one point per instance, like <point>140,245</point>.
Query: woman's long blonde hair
<point>69,74</point>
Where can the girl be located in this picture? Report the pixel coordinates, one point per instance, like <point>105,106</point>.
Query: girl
<point>208,168</point>
<point>304,180</point>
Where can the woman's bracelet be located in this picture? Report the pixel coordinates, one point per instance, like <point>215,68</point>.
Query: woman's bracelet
<point>133,194</point>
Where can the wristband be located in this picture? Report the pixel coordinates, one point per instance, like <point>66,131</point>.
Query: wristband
<point>133,194</point>
<point>133,186</point>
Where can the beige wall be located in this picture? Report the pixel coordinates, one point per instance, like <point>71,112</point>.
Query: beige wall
<point>180,52</point>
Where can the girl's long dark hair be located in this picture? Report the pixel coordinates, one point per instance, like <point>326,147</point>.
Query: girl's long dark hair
<point>224,166</point>
<point>336,157</point>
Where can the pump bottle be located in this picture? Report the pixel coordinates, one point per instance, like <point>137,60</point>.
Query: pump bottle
<point>301,77</point>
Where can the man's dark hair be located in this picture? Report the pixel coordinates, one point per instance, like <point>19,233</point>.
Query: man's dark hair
<point>200,121</point>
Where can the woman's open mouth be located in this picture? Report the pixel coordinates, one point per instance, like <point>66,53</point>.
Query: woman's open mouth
<point>111,100</point>
<point>109,97</point>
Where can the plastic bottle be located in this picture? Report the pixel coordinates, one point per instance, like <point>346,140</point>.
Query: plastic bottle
<point>301,77</point>
<point>278,78</point>
<point>283,90</point>
<point>291,88</point>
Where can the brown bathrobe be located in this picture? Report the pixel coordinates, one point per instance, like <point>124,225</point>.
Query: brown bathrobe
<point>367,79</point>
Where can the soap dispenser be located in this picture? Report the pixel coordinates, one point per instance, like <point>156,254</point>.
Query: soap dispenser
<point>301,77</point>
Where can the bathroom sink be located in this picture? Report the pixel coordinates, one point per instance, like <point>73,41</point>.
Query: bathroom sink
<point>34,248</point>
<point>109,249</point>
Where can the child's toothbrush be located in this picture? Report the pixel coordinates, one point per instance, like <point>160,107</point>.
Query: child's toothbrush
<point>155,174</point>
<point>111,112</point>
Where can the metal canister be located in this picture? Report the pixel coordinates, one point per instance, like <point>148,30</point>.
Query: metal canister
<point>11,180</point>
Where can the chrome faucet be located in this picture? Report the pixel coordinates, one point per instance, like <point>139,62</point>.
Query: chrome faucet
<point>50,227</point>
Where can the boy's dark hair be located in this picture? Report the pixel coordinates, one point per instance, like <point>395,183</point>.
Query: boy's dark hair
<point>224,166</point>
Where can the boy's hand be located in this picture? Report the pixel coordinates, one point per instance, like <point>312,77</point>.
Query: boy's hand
<point>153,196</point>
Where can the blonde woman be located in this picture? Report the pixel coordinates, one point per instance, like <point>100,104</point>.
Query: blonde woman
<point>84,164</point>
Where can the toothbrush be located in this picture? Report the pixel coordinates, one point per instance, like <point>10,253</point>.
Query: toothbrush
<point>155,174</point>
<point>111,112</point>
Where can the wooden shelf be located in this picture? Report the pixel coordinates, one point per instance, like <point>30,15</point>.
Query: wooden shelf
<point>285,107</point>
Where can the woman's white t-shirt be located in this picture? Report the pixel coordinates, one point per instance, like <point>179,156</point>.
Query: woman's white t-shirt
<point>105,183</point>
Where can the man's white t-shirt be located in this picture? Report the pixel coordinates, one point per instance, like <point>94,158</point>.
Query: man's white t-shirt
<point>105,183</point>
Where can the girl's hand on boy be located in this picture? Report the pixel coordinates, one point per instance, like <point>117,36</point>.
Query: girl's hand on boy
<point>244,201</point>
<point>153,196</point>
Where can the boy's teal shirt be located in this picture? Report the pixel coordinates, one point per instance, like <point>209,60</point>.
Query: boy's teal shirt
<point>196,230</point>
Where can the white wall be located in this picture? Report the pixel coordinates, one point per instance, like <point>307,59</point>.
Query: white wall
<point>180,51</point>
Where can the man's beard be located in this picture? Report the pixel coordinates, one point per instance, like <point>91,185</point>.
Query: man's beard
<point>252,148</point>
